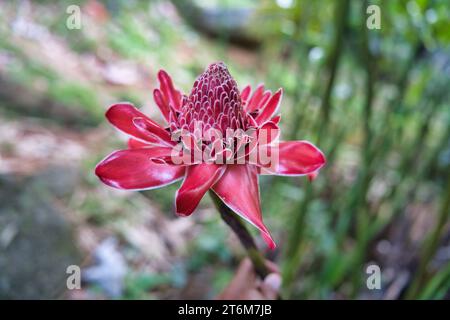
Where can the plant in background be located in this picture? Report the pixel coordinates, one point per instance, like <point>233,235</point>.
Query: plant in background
<point>218,139</point>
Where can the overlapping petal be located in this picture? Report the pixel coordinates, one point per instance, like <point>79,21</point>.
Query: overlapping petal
<point>257,97</point>
<point>136,144</point>
<point>153,131</point>
<point>270,108</point>
<point>162,105</point>
<point>199,178</point>
<point>166,97</point>
<point>138,169</point>
<point>268,133</point>
<point>128,119</point>
<point>239,190</point>
<point>276,119</point>
<point>245,94</point>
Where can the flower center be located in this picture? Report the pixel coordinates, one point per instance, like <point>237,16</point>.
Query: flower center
<point>214,102</point>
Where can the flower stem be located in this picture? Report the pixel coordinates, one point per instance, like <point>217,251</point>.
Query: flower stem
<point>246,239</point>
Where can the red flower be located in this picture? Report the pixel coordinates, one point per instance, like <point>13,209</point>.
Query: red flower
<point>229,165</point>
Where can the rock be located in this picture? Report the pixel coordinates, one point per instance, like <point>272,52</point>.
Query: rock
<point>110,268</point>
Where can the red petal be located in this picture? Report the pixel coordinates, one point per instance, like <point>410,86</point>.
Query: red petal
<point>255,99</point>
<point>265,97</point>
<point>166,96</point>
<point>245,94</point>
<point>199,178</point>
<point>262,149</point>
<point>170,95</point>
<point>270,108</point>
<point>238,189</point>
<point>312,176</point>
<point>136,144</point>
<point>298,158</point>
<point>276,119</point>
<point>134,169</point>
<point>268,133</point>
<point>153,131</point>
<point>162,105</point>
<point>121,116</point>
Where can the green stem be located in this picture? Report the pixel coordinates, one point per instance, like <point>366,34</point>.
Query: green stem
<point>246,239</point>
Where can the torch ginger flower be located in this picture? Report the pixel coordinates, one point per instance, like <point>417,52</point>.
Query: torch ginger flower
<point>231,165</point>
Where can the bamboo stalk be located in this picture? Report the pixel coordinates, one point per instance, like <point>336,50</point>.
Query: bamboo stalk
<point>332,64</point>
<point>294,246</point>
<point>431,244</point>
<point>362,219</point>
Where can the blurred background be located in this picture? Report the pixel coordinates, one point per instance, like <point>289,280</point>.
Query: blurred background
<point>376,101</point>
